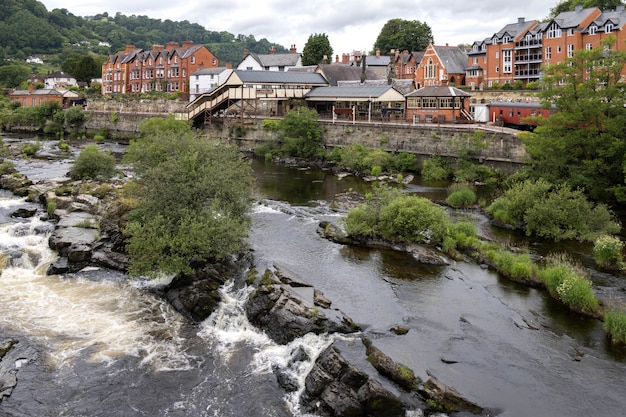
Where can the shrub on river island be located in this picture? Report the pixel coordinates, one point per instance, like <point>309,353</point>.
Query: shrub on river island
<point>568,282</point>
<point>93,163</point>
<point>615,325</point>
<point>461,195</point>
<point>435,169</point>
<point>607,252</point>
<point>553,212</point>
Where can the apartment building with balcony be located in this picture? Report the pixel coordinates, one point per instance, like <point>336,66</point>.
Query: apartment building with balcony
<point>163,68</point>
<point>520,51</point>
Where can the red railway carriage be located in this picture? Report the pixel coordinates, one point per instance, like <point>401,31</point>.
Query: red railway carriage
<point>514,114</point>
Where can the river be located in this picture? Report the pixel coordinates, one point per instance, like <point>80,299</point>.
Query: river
<point>105,346</point>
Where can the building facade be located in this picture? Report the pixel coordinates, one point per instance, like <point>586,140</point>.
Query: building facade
<point>163,68</point>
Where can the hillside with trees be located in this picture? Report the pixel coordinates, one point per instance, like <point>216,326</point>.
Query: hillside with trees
<point>28,29</point>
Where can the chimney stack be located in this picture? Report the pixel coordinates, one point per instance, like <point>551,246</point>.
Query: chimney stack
<point>272,50</point>
<point>187,44</point>
<point>171,45</point>
<point>245,53</point>
<point>521,19</point>
<point>378,52</point>
<point>293,49</point>
<point>129,47</point>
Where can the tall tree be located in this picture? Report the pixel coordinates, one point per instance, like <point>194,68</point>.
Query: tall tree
<point>315,49</point>
<point>584,142</point>
<point>569,5</point>
<point>401,34</point>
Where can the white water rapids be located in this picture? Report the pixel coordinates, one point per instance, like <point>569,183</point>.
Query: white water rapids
<point>103,317</point>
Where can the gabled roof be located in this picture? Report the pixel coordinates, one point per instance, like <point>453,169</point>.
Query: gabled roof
<point>574,18</point>
<point>278,77</point>
<point>276,60</point>
<point>453,58</point>
<point>616,17</point>
<point>407,57</point>
<point>439,91</point>
<point>515,30</point>
<point>44,92</point>
<point>356,93</point>
<point>336,73</point>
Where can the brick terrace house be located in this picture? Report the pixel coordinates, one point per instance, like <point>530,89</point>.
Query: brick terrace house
<point>406,64</point>
<point>164,68</point>
<point>476,64</point>
<point>441,65</point>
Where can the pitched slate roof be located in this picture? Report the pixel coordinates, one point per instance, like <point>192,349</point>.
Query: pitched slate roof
<point>276,60</point>
<point>337,73</point>
<point>439,91</point>
<point>377,61</point>
<point>453,58</point>
<point>572,19</point>
<point>515,29</point>
<point>209,71</point>
<point>285,77</point>
<point>348,92</point>
<point>617,17</point>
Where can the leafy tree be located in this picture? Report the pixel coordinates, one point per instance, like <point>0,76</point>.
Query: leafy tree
<point>583,142</point>
<point>316,48</point>
<point>301,133</point>
<point>569,5</point>
<point>93,163</point>
<point>401,34</point>
<point>82,67</point>
<point>74,117</point>
<point>12,76</point>
<point>194,202</point>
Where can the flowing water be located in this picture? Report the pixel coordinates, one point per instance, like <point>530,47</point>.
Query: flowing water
<point>101,345</point>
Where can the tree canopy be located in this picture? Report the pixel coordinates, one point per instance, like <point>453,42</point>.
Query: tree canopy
<point>316,49</point>
<point>401,34</point>
<point>583,143</point>
<point>194,201</point>
<point>569,5</point>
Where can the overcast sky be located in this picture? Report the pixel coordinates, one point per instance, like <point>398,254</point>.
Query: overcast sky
<point>349,24</point>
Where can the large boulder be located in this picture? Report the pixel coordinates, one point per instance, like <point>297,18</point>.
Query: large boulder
<point>336,387</point>
<point>288,310</point>
<point>197,295</point>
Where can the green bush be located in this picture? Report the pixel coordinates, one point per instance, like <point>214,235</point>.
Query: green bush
<point>7,167</point>
<point>607,252</point>
<point>567,281</point>
<point>413,219</point>
<point>92,163</point>
<point>376,170</point>
<point>30,149</point>
<point>434,169</point>
<point>405,161</point>
<point>615,325</point>
<point>552,212</point>
<point>461,195</point>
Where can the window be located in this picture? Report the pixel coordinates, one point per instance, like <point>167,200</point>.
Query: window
<point>608,28</point>
<point>589,46</point>
<point>414,103</point>
<point>445,103</point>
<point>483,47</point>
<point>558,49</point>
<point>593,29</point>
<point>429,70</point>
<point>497,54</point>
<point>508,60</point>
<point>429,103</point>
<point>494,40</point>
<point>570,32</point>
<point>475,48</point>
<point>506,39</point>
<point>214,62</point>
<point>475,61</point>
<point>570,50</point>
<point>193,59</point>
<point>554,31</point>
<point>497,69</point>
<point>548,52</point>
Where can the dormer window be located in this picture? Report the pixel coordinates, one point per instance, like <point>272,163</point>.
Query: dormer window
<point>554,31</point>
<point>593,29</point>
<point>483,47</point>
<point>494,40</point>
<point>475,48</point>
<point>506,39</point>
<point>608,28</point>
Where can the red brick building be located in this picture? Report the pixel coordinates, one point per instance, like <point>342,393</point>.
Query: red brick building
<point>441,65</point>
<point>163,68</point>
